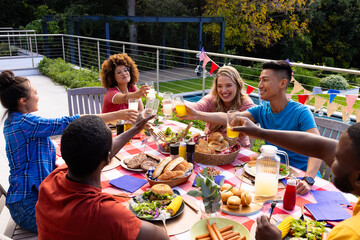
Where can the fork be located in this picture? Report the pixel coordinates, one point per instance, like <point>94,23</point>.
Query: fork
<point>163,219</point>
<point>302,214</point>
<point>273,204</point>
<point>158,133</point>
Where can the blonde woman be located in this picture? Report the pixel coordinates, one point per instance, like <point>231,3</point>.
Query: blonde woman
<point>119,75</point>
<point>227,93</point>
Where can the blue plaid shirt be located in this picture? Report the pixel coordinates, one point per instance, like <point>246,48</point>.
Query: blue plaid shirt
<point>30,151</point>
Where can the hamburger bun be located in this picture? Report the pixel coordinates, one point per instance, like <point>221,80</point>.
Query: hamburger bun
<point>171,175</point>
<point>225,186</point>
<point>225,195</point>
<point>181,166</point>
<point>216,136</point>
<point>245,199</point>
<point>172,164</point>
<point>162,189</point>
<point>160,167</point>
<point>233,202</point>
<point>218,146</point>
<point>237,191</point>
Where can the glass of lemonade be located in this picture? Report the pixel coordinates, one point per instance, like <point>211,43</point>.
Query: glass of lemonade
<point>133,104</point>
<point>167,104</point>
<point>231,115</point>
<point>151,93</point>
<point>180,106</point>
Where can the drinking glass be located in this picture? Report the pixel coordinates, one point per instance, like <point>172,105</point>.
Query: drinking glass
<point>151,93</point>
<point>133,104</point>
<point>151,107</point>
<point>180,106</point>
<point>231,115</point>
<point>167,104</point>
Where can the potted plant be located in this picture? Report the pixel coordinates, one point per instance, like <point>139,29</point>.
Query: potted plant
<point>209,192</point>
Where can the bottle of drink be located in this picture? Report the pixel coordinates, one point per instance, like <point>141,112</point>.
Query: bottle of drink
<point>174,151</point>
<point>290,194</point>
<point>182,150</point>
<point>190,149</point>
<point>119,127</point>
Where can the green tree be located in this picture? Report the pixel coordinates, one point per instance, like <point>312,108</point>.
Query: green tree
<point>251,23</point>
<point>335,30</point>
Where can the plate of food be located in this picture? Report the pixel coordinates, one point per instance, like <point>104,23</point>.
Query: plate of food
<point>159,199</point>
<point>140,162</point>
<point>227,228</point>
<point>212,170</point>
<point>292,228</point>
<point>250,168</point>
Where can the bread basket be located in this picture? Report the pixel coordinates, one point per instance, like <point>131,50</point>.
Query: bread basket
<point>172,182</point>
<point>217,159</point>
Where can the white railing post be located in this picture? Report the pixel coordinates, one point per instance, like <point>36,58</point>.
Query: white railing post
<point>63,47</point>
<point>123,48</point>
<point>9,45</point>
<point>157,70</point>
<point>32,55</point>
<point>98,50</point>
<point>36,47</point>
<point>79,52</point>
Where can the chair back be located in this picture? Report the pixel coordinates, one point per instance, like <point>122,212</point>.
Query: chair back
<point>331,129</point>
<point>86,100</point>
<point>2,198</point>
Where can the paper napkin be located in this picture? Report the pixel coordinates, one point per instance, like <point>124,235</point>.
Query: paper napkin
<point>128,183</point>
<point>327,211</point>
<point>326,196</point>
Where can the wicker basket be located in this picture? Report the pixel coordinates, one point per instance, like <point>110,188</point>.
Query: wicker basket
<point>217,159</point>
<point>172,182</point>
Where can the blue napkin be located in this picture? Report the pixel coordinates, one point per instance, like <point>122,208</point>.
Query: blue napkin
<point>217,179</point>
<point>327,211</point>
<point>128,183</point>
<point>326,196</point>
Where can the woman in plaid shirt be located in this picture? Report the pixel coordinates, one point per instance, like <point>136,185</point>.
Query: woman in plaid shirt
<point>30,151</point>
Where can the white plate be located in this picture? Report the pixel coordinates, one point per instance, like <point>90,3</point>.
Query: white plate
<point>130,169</point>
<point>252,171</point>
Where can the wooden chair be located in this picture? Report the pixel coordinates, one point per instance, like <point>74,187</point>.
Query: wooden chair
<point>331,129</point>
<point>86,100</point>
<point>13,231</point>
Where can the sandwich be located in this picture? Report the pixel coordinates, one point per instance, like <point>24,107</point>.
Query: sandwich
<point>159,192</point>
<point>233,202</point>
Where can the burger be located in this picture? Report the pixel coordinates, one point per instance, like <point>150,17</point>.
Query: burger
<point>233,202</point>
<point>159,192</point>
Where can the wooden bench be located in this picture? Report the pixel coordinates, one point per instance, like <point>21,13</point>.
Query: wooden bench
<point>88,100</point>
<point>331,129</point>
<point>13,231</point>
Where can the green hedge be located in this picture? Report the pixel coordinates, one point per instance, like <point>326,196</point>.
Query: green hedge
<point>66,74</point>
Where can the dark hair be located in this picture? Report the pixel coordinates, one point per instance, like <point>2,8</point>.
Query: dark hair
<point>12,89</point>
<point>107,74</point>
<point>84,144</point>
<point>354,134</point>
<point>281,67</point>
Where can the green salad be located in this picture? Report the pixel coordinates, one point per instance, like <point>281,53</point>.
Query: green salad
<point>283,171</point>
<point>308,229</point>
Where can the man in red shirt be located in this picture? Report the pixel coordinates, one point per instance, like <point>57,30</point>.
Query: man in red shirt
<point>71,204</point>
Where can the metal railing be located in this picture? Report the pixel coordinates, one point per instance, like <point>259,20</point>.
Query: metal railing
<point>164,65</point>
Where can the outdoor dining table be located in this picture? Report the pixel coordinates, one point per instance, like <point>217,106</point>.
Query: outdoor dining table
<point>136,146</point>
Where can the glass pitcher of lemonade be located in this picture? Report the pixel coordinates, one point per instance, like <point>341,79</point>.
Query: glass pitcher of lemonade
<point>267,170</point>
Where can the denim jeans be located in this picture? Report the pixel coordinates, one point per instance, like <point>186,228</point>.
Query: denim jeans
<point>23,212</point>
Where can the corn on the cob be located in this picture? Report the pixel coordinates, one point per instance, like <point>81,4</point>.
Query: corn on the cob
<point>174,205</point>
<point>284,226</point>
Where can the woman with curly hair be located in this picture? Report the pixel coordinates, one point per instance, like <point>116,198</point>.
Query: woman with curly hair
<point>119,75</point>
<point>226,94</point>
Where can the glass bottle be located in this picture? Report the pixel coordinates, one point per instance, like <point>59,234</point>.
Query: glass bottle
<point>174,151</point>
<point>182,150</point>
<point>190,149</point>
<point>119,127</point>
